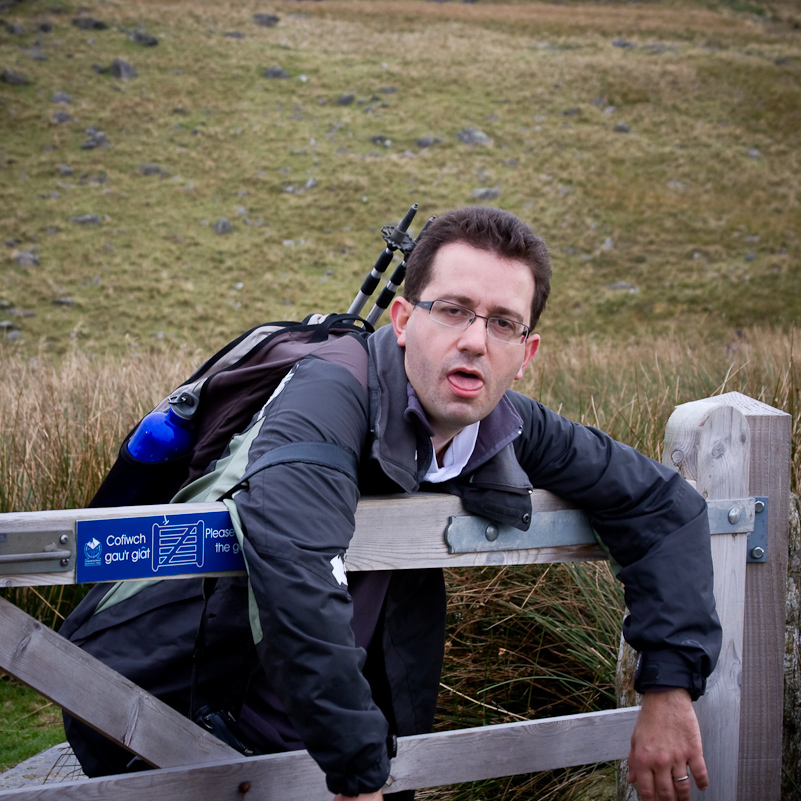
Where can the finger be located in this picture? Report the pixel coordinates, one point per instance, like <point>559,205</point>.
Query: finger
<point>698,769</point>
<point>682,788</point>
<point>664,785</point>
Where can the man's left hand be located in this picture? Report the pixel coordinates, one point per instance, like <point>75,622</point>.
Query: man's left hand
<point>666,746</point>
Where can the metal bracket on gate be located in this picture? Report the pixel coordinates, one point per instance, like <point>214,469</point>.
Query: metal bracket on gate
<point>471,534</point>
<point>742,516</point>
<point>37,552</point>
<point>758,538</point>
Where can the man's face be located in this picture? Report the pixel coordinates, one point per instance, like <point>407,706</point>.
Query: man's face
<point>459,376</point>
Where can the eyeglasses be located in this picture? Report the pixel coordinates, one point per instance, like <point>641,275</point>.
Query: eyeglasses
<point>446,313</point>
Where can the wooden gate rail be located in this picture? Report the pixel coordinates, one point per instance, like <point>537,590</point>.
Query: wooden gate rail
<point>732,447</point>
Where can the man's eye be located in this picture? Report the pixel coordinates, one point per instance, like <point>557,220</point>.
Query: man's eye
<point>503,325</point>
<point>454,311</point>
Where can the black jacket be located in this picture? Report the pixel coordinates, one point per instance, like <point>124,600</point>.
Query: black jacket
<point>299,519</point>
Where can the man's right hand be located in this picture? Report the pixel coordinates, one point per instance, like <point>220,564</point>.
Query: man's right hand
<point>377,796</point>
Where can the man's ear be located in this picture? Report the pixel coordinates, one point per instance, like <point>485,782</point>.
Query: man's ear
<point>532,346</point>
<point>399,313</point>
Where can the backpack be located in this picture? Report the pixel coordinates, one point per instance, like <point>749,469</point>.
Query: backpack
<point>208,654</point>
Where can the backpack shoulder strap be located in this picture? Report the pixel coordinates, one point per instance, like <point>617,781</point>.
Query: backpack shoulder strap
<point>325,454</point>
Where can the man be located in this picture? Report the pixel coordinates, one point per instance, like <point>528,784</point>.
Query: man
<point>427,405</point>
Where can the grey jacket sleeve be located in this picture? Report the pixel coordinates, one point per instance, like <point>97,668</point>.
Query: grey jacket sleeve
<point>298,521</point>
<point>655,526</point>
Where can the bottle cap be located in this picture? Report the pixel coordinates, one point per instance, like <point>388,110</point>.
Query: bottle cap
<point>184,404</point>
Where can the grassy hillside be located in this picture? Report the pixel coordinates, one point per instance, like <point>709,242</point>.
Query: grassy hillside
<point>653,145</point>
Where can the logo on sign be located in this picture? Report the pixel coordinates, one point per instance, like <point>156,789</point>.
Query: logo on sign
<point>92,552</point>
<point>176,545</point>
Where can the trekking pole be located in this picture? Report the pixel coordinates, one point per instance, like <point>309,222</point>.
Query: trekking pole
<point>391,287</point>
<point>394,236</point>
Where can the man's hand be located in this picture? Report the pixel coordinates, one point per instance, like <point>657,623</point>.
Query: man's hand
<point>665,743</point>
<point>377,796</point>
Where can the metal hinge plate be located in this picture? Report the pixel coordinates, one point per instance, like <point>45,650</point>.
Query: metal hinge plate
<point>36,552</point>
<point>758,538</point>
<point>471,534</point>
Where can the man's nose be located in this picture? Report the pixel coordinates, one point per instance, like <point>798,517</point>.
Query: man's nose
<point>474,337</point>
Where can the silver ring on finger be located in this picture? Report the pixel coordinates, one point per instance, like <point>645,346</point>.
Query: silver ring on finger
<point>682,779</point>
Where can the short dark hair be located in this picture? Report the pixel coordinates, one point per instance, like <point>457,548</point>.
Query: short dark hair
<point>485,228</point>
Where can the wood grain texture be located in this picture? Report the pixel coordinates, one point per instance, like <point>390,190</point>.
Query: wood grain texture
<point>710,443</point>
<point>100,696</point>
<point>427,760</point>
<point>394,533</point>
<point>765,598</point>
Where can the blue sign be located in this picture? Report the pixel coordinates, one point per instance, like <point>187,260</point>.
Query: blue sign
<point>154,547</point>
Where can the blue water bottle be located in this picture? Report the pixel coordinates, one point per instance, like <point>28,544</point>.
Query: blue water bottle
<point>164,435</point>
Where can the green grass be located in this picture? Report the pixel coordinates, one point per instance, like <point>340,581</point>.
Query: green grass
<point>705,233</point>
<point>28,724</point>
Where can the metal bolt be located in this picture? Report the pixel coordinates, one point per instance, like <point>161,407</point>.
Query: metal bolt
<point>734,516</point>
<point>491,533</point>
<point>759,506</point>
<point>65,562</point>
<point>244,788</point>
<point>64,539</point>
<point>757,553</point>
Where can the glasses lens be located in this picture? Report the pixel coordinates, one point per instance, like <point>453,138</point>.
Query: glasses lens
<point>505,330</point>
<point>451,314</point>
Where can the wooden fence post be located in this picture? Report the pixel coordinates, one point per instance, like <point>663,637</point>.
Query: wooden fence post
<point>761,720</point>
<point>709,443</point>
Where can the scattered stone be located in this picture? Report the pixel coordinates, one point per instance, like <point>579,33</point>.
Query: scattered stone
<point>387,90</point>
<point>151,169</point>
<point>13,78</point>
<point>60,117</point>
<point>44,27</point>
<point>622,43</point>
<point>266,20</point>
<point>380,139</point>
<point>608,244</point>
<point>754,153</point>
<point>64,170</point>
<point>311,183</point>
<point>623,286</point>
<point>16,312</point>
<point>95,139</point>
<point>276,72</point>
<point>621,127</point>
<point>180,110</point>
<point>26,258</point>
<point>99,69</point>
<point>658,48</point>
<point>63,302</point>
<point>427,141</point>
<point>36,54</point>
<point>223,227</point>
<point>486,193</point>
<point>15,29</point>
<point>61,97</point>
<point>750,256</point>
<point>234,35</point>
<point>122,69</point>
<point>87,219</point>
<point>96,180</point>
<point>14,334</point>
<point>346,99</point>
<point>473,136</point>
<point>144,39</point>
<point>89,24</point>
<point>677,185</point>
<point>571,112</point>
